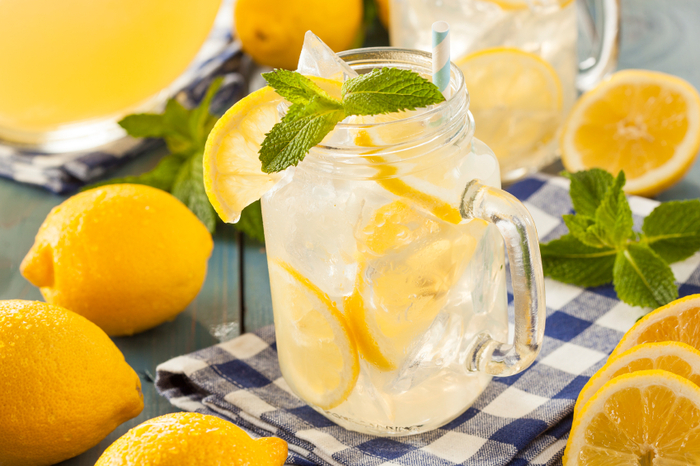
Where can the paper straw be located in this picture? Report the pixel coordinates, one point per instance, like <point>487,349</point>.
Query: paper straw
<point>441,55</point>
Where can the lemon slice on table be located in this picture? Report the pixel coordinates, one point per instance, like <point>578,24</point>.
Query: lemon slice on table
<point>676,321</point>
<point>643,122</point>
<point>516,99</point>
<point>671,356</point>
<point>233,177</point>
<point>394,303</point>
<point>317,353</point>
<point>643,418</point>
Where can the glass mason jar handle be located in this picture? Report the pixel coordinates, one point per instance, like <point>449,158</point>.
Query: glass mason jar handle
<point>518,230</point>
<point>594,69</point>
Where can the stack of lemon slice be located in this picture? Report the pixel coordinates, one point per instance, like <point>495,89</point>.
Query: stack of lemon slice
<point>643,406</point>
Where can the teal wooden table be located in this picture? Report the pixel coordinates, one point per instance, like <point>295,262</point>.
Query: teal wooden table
<point>656,34</point>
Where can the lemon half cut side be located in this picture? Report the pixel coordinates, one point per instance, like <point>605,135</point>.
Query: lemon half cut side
<point>646,123</point>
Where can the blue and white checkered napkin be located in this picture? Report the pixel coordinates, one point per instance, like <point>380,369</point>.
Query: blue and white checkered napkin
<point>67,171</point>
<point>518,420</point>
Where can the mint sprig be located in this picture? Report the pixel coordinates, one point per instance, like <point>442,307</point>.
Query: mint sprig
<point>314,113</point>
<point>185,132</point>
<point>602,246</point>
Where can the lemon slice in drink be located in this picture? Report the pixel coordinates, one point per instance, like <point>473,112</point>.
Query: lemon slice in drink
<point>671,356</point>
<point>643,122</point>
<point>643,418</point>
<point>516,99</point>
<point>676,321</point>
<point>317,353</point>
<point>409,263</point>
<point>233,177</point>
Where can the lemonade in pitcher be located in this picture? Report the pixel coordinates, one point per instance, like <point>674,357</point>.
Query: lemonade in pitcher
<point>385,247</point>
<point>74,62</point>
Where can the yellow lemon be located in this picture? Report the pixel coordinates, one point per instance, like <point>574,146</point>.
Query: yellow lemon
<point>272,31</point>
<point>317,353</point>
<point>64,383</point>
<point>233,177</point>
<point>192,439</point>
<point>671,356</point>
<point>643,418</point>
<point>516,98</point>
<point>643,122</point>
<point>676,321</point>
<point>127,257</point>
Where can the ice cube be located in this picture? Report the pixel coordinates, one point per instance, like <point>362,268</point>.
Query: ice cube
<point>317,59</point>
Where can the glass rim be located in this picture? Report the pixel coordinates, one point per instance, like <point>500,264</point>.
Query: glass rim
<point>371,55</point>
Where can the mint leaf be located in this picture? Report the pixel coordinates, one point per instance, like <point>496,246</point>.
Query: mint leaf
<point>642,278</point>
<point>387,90</point>
<point>291,139</point>
<point>178,137</point>
<point>251,223</point>
<point>189,188</point>
<point>613,217</point>
<point>293,86</point>
<point>200,121</point>
<point>161,177</point>
<point>673,229</point>
<point>144,125</point>
<point>588,189</point>
<point>583,229</point>
<point>568,260</point>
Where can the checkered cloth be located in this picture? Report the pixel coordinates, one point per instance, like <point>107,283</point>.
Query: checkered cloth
<point>68,171</point>
<point>518,420</point>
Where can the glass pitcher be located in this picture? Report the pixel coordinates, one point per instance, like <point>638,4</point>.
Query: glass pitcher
<point>520,62</point>
<point>386,255</point>
<point>72,68</point>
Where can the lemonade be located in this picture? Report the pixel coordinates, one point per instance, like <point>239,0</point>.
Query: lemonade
<point>77,61</point>
<point>507,89</point>
<point>389,293</point>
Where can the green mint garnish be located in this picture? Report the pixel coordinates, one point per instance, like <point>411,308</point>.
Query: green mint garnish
<point>185,132</point>
<point>602,246</point>
<point>313,113</point>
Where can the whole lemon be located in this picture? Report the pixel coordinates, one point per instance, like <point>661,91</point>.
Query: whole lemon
<point>192,439</point>
<point>65,386</point>
<point>272,31</point>
<point>128,257</point>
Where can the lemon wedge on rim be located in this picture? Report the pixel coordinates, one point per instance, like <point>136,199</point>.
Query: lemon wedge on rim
<point>233,176</point>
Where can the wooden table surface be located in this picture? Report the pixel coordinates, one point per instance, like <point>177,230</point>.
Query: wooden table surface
<point>656,34</point>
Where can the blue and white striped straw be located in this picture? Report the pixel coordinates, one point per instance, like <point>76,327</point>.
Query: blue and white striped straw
<point>441,56</point>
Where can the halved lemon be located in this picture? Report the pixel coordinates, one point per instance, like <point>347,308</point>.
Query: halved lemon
<point>409,263</point>
<point>643,122</point>
<point>643,418</point>
<point>233,177</point>
<point>516,99</point>
<point>672,356</point>
<point>677,321</point>
<point>317,354</point>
